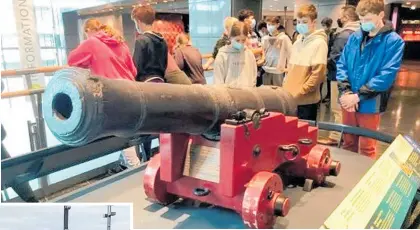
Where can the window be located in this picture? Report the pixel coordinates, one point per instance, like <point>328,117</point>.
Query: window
<point>47,40</point>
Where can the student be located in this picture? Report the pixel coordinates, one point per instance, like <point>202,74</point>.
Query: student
<point>150,51</point>
<point>247,16</point>
<point>307,66</point>
<point>189,59</point>
<point>263,30</point>
<point>264,34</point>
<point>253,42</point>
<point>104,52</point>
<point>277,50</point>
<point>106,55</point>
<point>327,26</point>
<point>295,33</point>
<point>235,64</point>
<point>349,23</point>
<point>224,40</point>
<point>366,72</point>
<point>174,75</point>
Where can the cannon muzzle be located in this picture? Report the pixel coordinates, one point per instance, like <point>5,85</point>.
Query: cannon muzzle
<point>80,108</point>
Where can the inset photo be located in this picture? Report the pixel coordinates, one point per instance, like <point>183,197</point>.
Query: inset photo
<point>65,216</point>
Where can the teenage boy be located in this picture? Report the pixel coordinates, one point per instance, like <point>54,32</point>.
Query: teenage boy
<point>349,23</point>
<point>307,66</point>
<point>151,50</point>
<point>366,72</point>
<point>248,17</point>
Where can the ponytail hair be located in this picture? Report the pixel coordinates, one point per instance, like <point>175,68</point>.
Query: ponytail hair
<point>112,32</point>
<point>94,25</point>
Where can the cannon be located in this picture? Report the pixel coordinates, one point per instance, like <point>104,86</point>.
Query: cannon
<point>259,141</point>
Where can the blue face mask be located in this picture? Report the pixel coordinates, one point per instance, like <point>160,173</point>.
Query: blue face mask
<point>237,45</point>
<point>271,28</point>
<point>368,26</point>
<point>302,28</point>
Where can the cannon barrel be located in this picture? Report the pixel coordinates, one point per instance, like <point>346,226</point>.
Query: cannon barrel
<point>80,108</point>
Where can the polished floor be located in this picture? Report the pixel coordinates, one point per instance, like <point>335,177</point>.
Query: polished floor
<point>403,113</point>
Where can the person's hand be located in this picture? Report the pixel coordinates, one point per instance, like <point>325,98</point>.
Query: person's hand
<point>349,100</point>
<point>352,109</point>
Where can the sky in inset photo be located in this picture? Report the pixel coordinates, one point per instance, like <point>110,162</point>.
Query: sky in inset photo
<point>51,217</point>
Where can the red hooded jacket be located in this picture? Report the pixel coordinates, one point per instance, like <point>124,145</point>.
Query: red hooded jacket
<point>104,56</point>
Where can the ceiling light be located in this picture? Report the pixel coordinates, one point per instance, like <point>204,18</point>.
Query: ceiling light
<point>111,9</point>
<point>413,7</point>
<point>408,3</point>
<point>271,6</point>
<point>165,1</point>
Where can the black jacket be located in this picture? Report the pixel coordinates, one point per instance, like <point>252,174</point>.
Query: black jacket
<point>337,43</point>
<point>224,40</point>
<point>150,55</point>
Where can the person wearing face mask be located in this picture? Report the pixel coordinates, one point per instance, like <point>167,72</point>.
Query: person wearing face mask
<point>247,16</point>
<point>253,42</point>
<point>327,26</point>
<point>348,24</point>
<point>276,52</point>
<point>366,72</point>
<point>150,51</point>
<point>235,65</point>
<point>263,30</point>
<point>224,40</point>
<point>307,66</point>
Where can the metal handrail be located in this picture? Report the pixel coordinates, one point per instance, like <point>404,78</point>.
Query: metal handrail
<point>15,73</point>
<point>21,93</point>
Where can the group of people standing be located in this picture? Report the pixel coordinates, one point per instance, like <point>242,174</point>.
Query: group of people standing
<point>106,54</point>
<point>360,59</point>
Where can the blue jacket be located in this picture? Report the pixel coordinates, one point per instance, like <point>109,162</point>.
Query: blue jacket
<point>370,68</point>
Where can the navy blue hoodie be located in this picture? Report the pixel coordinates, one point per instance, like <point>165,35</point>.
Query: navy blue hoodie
<point>150,55</point>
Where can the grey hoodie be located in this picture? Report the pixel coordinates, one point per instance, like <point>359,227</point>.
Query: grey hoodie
<point>235,68</point>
